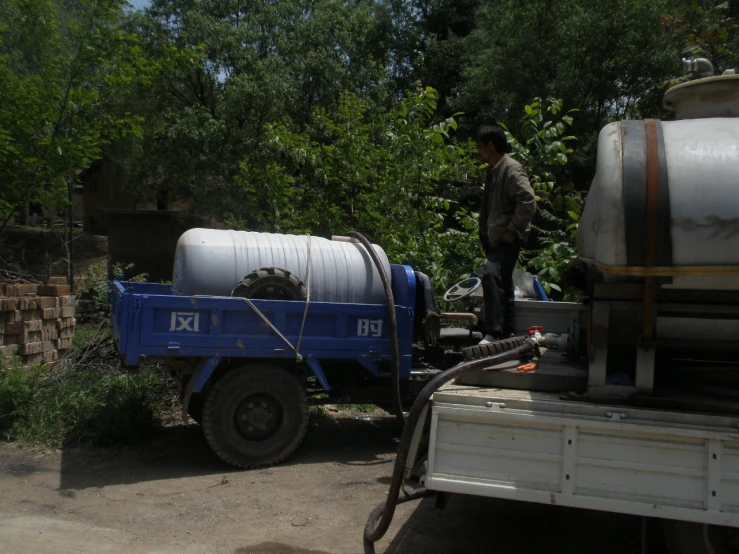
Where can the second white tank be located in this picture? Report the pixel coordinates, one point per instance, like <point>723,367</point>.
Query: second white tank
<point>211,262</point>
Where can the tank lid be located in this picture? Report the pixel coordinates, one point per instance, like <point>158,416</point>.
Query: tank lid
<point>707,97</point>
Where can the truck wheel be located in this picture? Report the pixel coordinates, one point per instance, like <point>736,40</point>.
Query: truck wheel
<point>485,350</point>
<point>255,416</point>
<point>270,283</point>
<point>697,538</point>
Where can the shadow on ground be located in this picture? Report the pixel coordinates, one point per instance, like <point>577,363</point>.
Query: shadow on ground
<point>181,451</point>
<point>472,524</point>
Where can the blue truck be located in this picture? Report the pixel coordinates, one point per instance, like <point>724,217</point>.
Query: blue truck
<point>244,365</point>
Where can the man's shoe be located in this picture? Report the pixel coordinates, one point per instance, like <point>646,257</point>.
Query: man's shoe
<point>488,339</point>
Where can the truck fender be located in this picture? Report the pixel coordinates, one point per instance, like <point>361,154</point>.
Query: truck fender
<point>315,367</point>
<point>205,369</point>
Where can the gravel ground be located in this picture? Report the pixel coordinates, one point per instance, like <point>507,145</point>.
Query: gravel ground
<point>172,495</point>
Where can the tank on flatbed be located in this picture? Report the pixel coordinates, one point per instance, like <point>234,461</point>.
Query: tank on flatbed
<point>696,219</point>
<point>660,227</point>
<point>211,262</point>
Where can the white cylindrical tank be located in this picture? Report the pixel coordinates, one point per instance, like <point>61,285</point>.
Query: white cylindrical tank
<point>211,262</point>
<point>693,213</point>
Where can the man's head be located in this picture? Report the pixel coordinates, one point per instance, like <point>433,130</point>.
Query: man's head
<point>492,144</point>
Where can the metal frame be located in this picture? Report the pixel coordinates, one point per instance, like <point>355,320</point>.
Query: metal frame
<point>146,322</point>
<point>626,460</point>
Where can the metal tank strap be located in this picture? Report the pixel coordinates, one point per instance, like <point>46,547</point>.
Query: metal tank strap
<point>651,228</point>
<point>646,194</point>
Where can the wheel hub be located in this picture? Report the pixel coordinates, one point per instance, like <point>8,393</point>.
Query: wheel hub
<point>258,417</point>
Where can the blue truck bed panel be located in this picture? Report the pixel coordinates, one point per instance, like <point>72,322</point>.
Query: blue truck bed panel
<point>148,320</point>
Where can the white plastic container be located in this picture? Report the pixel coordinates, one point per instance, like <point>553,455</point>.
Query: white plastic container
<point>703,179</point>
<point>211,262</point>
<point>702,162</point>
<point>697,219</point>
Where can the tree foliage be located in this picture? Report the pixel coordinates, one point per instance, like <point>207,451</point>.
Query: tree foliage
<point>63,69</point>
<point>307,115</point>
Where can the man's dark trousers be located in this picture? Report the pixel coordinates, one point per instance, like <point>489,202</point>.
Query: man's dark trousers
<point>498,290</point>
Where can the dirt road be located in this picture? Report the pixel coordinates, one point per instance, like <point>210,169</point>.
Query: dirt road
<point>173,495</point>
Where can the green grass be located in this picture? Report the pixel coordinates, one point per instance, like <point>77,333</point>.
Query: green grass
<point>85,399</point>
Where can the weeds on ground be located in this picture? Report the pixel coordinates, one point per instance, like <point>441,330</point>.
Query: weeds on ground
<point>93,283</point>
<point>84,399</point>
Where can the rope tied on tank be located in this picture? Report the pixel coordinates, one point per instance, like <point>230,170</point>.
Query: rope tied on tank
<point>298,357</point>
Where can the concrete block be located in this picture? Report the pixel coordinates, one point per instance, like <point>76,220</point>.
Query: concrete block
<point>33,360</point>
<point>63,344</point>
<point>27,303</point>
<point>55,290</point>
<point>8,304</point>
<point>10,317</point>
<point>51,313</point>
<point>9,350</point>
<point>30,315</point>
<point>44,302</point>
<point>31,348</point>
<point>12,339</point>
<point>17,328</point>
<point>24,289</point>
<point>66,322</point>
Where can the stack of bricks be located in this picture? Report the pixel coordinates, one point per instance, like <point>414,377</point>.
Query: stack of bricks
<point>36,322</point>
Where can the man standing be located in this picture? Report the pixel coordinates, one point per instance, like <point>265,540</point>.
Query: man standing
<point>508,206</point>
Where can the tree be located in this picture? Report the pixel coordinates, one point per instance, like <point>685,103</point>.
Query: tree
<point>63,67</point>
<point>603,57</point>
<point>259,65</point>
<point>705,28</point>
<point>429,45</point>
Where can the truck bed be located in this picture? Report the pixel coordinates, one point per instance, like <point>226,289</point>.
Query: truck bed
<point>543,447</point>
<point>148,320</point>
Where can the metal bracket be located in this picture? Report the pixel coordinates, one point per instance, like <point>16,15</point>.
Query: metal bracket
<point>317,370</point>
<point>645,353</point>
<point>598,345</point>
<point>410,463</point>
<point>205,369</point>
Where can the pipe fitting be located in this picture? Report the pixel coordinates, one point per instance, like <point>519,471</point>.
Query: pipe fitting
<point>702,66</point>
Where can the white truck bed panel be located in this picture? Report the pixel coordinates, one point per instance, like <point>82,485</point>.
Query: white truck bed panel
<point>538,447</point>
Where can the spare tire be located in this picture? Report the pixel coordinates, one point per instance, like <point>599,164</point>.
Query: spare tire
<point>270,283</point>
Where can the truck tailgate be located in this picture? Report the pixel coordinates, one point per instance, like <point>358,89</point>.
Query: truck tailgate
<point>538,447</point>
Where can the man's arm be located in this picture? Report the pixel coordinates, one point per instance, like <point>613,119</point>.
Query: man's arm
<point>520,191</point>
<point>482,220</point>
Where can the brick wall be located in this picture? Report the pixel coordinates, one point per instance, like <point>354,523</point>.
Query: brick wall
<point>36,322</point>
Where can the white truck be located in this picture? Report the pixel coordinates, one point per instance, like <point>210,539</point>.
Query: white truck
<point>647,423</point>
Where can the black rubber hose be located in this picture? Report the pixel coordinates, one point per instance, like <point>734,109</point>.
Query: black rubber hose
<point>390,300</point>
<point>381,517</point>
